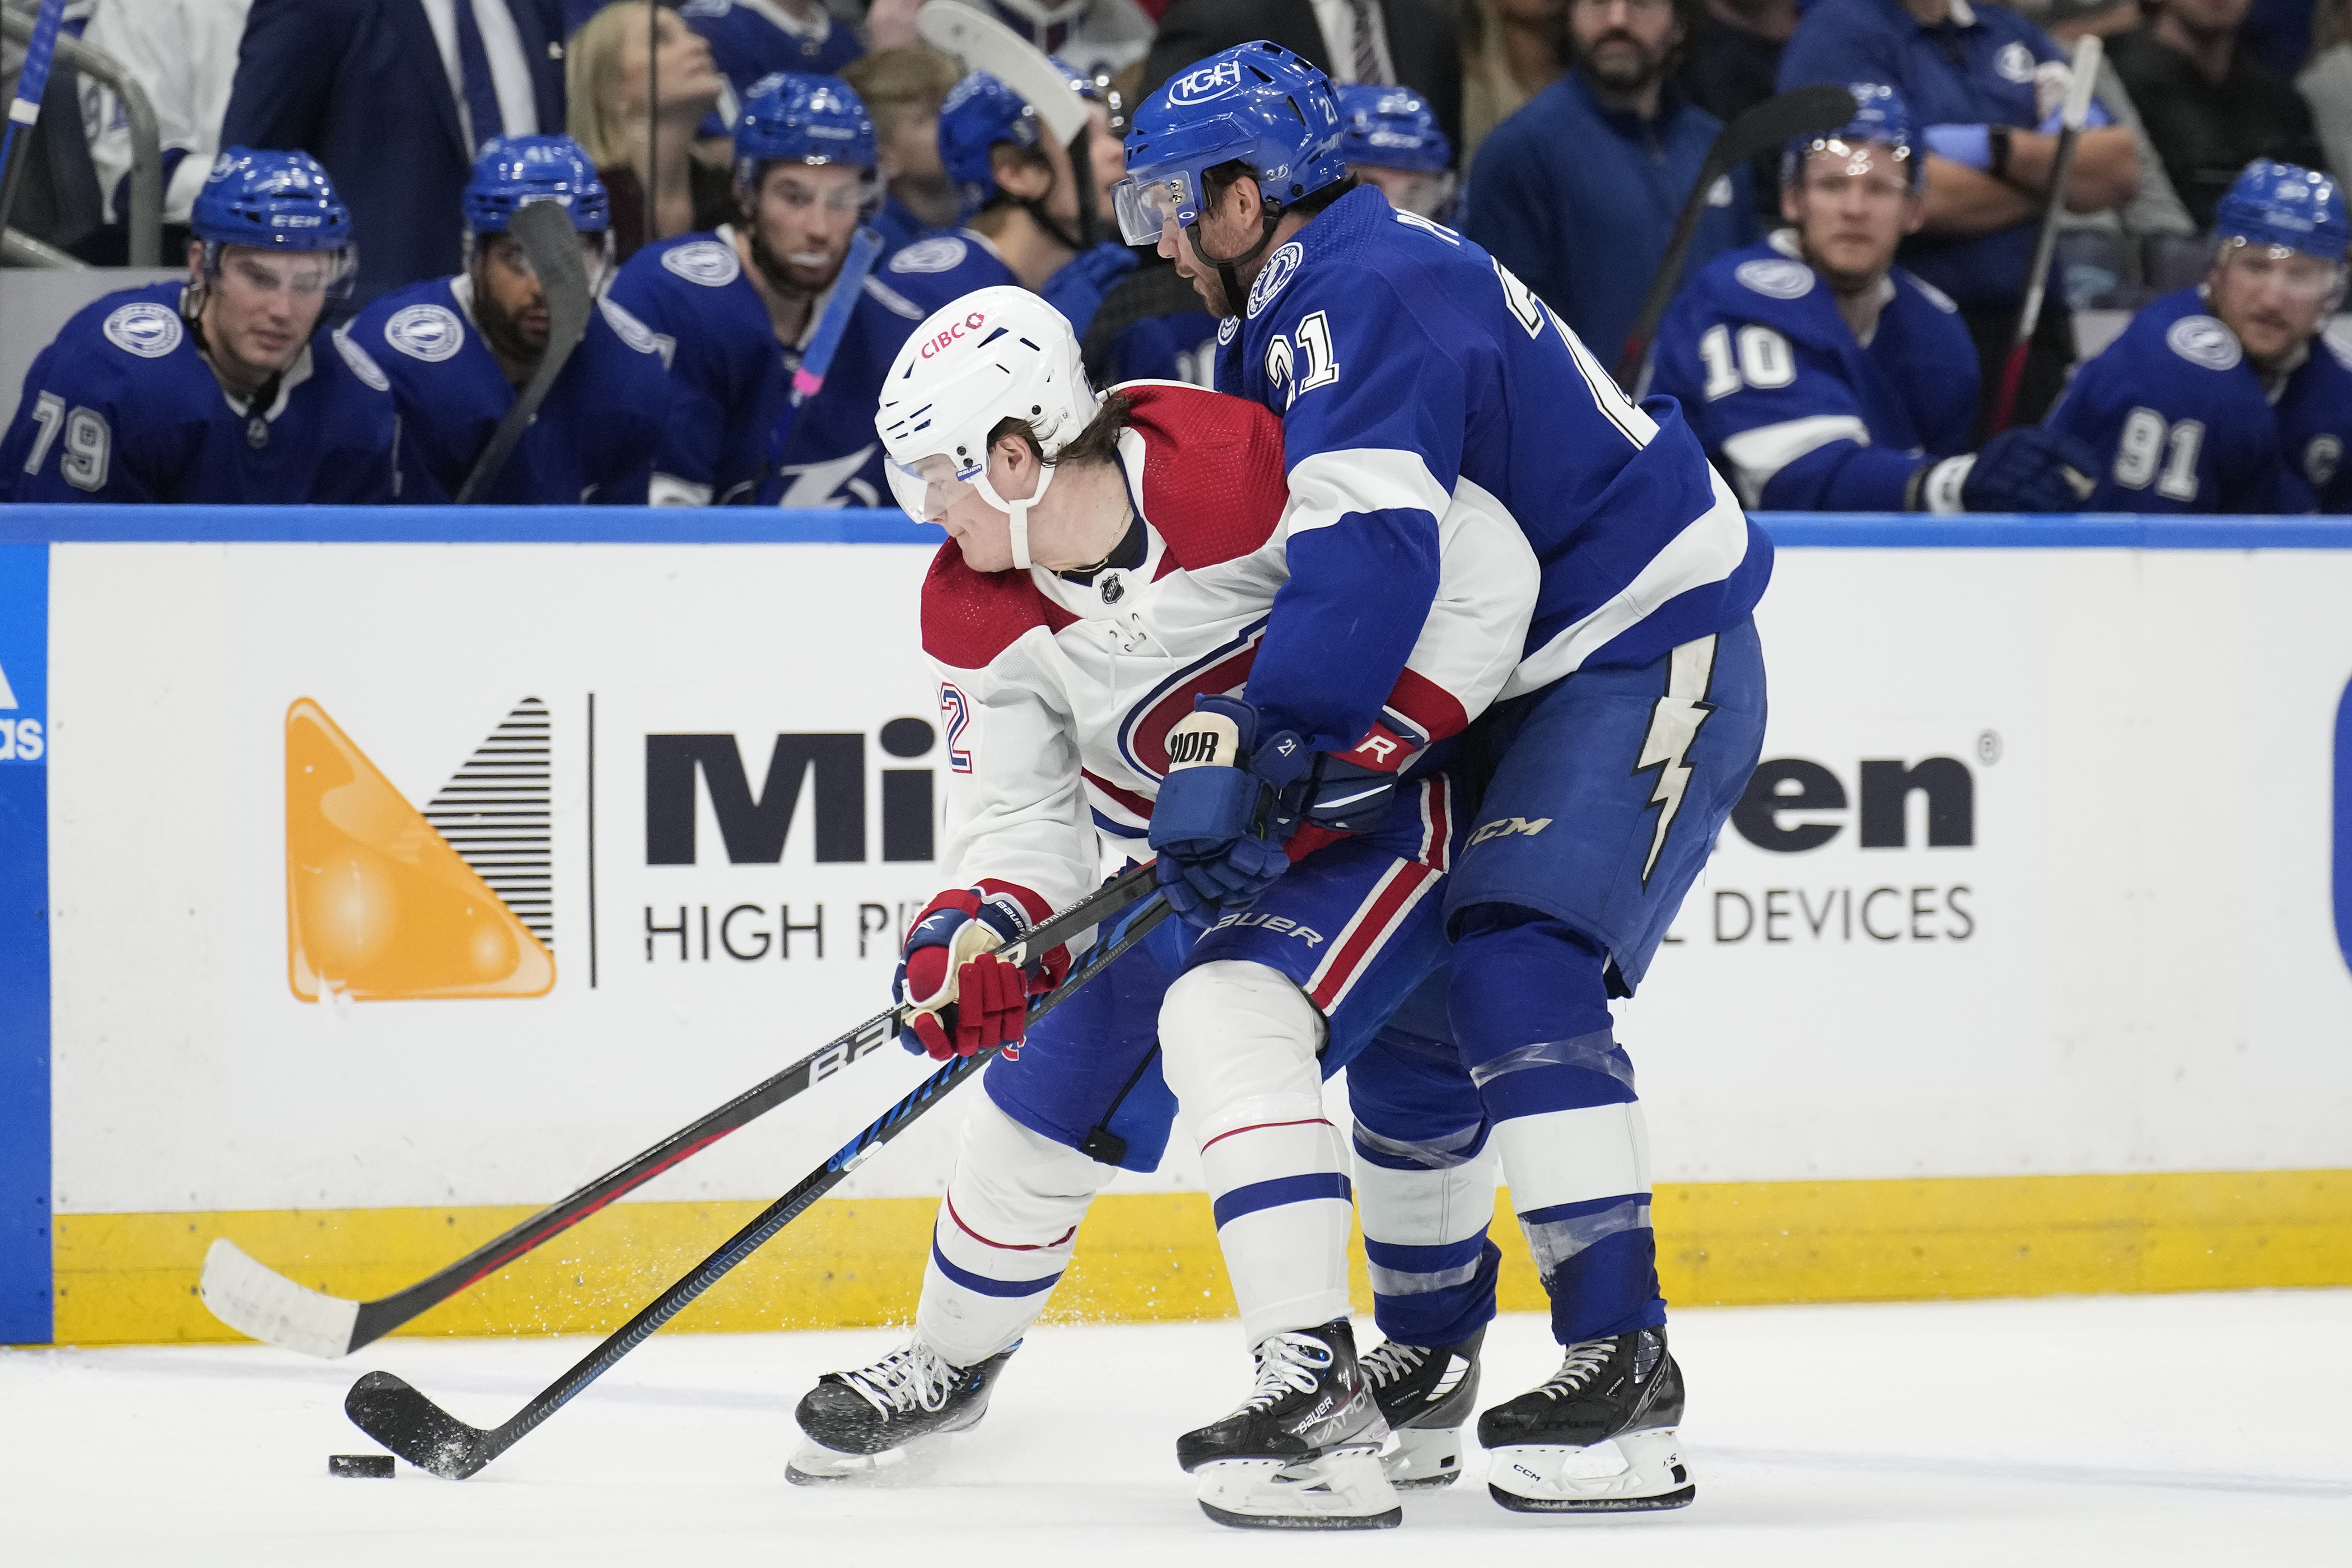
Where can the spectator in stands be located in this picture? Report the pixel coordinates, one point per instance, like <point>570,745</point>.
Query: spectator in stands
<point>604,80</point>
<point>1577,192</point>
<point>2210,107</point>
<point>1511,50</point>
<point>394,97</point>
<point>184,53</point>
<point>2281,34</point>
<point>1731,61</point>
<point>2327,83</point>
<point>1099,38</point>
<point>753,40</point>
<point>903,89</point>
<point>2224,397</point>
<point>1824,378</point>
<point>458,351</point>
<point>1401,43</point>
<point>1984,84</point>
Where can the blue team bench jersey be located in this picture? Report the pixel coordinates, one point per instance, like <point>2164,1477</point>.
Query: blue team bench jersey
<point>960,262</point>
<point>1404,360</point>
<point>731,380</point>
<point>594,439</point>
<point>1794,410</point>
<point>2181,422</point>
<point>123,407</point>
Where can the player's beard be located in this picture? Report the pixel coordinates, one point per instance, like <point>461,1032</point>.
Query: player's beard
<point>1615,76</point>
<point>1841,282</point>
<point>503,333</point>
<point>791,282</point>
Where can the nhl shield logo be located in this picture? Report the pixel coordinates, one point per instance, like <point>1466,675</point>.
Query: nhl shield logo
<point>1111,589</point>
<point>145,329</point>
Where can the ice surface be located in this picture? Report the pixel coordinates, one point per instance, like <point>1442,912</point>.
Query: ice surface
<point>2148,1430</point>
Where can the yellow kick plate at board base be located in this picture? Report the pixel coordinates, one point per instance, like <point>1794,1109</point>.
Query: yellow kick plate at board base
<point>378,906</point>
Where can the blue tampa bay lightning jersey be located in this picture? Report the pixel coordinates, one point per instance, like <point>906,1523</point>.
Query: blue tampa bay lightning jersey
<point>122,406</point>
<point>1405,362</point>
<point>2181,422</point>
<point>731,381</point>
<point>595,434</point>
<point>1791,407</point>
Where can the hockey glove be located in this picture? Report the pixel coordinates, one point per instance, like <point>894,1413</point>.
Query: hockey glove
<point>2026,469</point>
<point>1221,821</point>
<point>967,998</point>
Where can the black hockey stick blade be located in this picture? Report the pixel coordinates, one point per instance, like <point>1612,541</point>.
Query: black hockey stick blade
<point>1760,129</point>
<point>544,231</point>
<point>263,1304</point>
<point>405,1421</point>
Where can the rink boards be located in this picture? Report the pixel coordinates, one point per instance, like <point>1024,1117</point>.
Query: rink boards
<point>372,878</point>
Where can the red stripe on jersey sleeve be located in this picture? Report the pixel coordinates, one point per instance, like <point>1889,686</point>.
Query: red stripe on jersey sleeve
<point>1432,709</point>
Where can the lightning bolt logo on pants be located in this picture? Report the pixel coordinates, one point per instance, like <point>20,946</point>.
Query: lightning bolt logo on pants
<point>1674,724</point>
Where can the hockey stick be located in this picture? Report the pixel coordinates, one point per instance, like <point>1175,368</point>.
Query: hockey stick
<point>395,1414</point>
<point>985,44</point>
<point>848,287</point>
<point>1767,125</point>
<point>258,1301</point>
<point>544,231</point>
<point>2085,67</point>
<point>24,109</point>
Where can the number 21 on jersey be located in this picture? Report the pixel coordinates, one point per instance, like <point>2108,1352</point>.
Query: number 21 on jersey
<point>1311,363</point>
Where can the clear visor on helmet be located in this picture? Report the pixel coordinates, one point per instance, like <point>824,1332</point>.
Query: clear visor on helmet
<point>301,273</point>
<point>927,486</point>
<point>2296,274</point>
<point>1145,206</point>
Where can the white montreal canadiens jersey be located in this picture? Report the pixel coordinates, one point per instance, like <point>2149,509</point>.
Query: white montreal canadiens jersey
<point>1059,694</point>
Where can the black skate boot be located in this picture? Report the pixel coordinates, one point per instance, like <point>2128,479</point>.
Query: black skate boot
<point>1424,1395</point>
<point>1303,1451</point>
<point>1597,1436</point>
<point>861,1423</point>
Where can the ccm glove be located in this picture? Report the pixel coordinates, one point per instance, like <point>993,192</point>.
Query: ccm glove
<point>1221,821</point>
<point>967,998</point>
<point>2025,470</point>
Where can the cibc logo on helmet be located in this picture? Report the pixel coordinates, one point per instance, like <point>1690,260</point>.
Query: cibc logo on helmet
<point>1208,83</point>
<point>940,341</point>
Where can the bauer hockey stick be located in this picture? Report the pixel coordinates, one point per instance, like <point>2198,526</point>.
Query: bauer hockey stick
<point>395,1414</point>
<point>848,287</point>
<point>263,1304</point>
<point>1768,125</point>
<point>24,109</point>
<point>550,242</point>
<point>985,44</point>
<point>2079,88</point>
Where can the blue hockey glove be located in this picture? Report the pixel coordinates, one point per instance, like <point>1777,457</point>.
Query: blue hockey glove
<point>2025,470</point>
<point>1220,823</point>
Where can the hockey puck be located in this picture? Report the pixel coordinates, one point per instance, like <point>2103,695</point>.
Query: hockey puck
<point>370,1467</point>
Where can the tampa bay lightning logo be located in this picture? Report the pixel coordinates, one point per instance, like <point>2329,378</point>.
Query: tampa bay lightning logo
<point>942,255</point>
<point>429,332</point>
<point>1208,83</point>
<point>1226,329</point>
<point>2321,458</point>
<point>1278,269</point>
<point>2015,63</point>
<point>145,329</point>
<point>2201,340</point>
<point>361,364</point>
<point>706,261</point>
<point>1776,278</point>
<point>627,328</point>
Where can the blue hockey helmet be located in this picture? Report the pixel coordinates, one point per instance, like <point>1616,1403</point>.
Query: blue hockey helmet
<point>1391,128</point>
<point>271,201</point>
<point>2286,207</point>
<point>1256,103</point>
<point>1880,115</point>
<point>982,112</point>
<point>791,118</point>
<point>515,171</point>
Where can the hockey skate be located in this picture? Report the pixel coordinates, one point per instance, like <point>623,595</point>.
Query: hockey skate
<point>1425,1395</point>
<point>1597,1436</point>
<point>862,1425</point>
<point>1303,1450</point>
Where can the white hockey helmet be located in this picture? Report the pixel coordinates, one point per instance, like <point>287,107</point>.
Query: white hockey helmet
<point>995,354</point>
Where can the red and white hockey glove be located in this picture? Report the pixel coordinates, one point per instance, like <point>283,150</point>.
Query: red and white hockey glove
<point>966,998</point>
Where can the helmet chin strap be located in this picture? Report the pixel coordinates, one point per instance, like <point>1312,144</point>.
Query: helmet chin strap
<point>1017,511</point>
<point>1227,266</point>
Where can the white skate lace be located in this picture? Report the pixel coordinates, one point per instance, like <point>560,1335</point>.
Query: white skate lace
<point>904,1380</point>
<point>1585,1360</point>
<point>1286,1363</point>
<point>1390,1362</point>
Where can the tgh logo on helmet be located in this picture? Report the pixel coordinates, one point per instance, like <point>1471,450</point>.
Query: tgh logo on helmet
<point>1209,81</point>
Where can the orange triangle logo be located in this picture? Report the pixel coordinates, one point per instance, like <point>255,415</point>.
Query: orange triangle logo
<point>379,906</point>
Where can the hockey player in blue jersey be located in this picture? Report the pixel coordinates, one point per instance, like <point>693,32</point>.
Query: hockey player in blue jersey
<point>458,350</point>
<point>1020,209</point>
<point>1821,377</point>
<point>2227,397</point>
<point>735,308</point>
<point>1406,362</point>
<point>1390,138</point>
<point>221,388</point>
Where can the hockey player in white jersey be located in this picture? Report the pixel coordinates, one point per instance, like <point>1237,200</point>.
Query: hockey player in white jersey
<point>1112,567</point>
